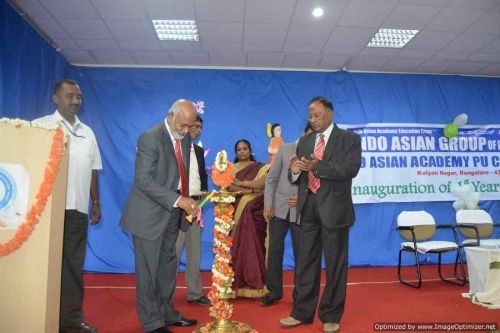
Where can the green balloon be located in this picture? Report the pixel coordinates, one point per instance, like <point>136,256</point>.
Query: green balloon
<point>450,131</point>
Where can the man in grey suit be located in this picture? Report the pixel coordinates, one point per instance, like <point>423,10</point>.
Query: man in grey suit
<point>155,211</point>
<point>280,200</point>
<point>324,167</point>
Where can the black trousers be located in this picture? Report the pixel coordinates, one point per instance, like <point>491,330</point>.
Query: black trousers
<point>278,229</point>
<point>315,237</point>
<point>74,248</point>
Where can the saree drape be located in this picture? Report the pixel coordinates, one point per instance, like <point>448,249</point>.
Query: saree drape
<point>249,235</point>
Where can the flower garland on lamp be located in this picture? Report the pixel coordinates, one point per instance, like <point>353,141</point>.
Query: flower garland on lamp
<point>222,272</point>
<point>223,171</point>
<point>44,191</point>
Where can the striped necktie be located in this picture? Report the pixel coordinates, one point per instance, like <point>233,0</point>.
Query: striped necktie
<point>314,182</point>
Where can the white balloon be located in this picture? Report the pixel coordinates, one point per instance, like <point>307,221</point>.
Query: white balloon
<point>463,192</point>
<point>472,200</point>
<point>461,119</point>
<point>457,190</point>
<point>467,189</point>
<point>470,204</point>
<point>459,204</point>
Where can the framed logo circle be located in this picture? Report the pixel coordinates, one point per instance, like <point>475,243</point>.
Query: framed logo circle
<point>8,189</point>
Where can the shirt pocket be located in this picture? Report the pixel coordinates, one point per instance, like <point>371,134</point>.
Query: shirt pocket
<point>83,148</point>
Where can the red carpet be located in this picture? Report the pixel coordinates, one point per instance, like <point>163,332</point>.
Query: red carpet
<point>374,295</point>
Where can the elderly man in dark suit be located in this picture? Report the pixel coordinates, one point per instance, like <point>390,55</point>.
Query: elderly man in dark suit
<point>325,164</point>
<point>155,211</point>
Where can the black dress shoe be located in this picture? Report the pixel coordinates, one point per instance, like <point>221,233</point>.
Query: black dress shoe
<point>268,300</point>
<point>160,330</point>
<point>81,328</point>
<point>184,322</point>
<point>201,301</point>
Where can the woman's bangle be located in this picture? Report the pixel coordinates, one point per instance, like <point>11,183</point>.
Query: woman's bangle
<point>96,202</point>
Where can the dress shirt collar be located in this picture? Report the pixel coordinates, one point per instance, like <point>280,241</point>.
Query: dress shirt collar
<point>326,133</point>
<point>69,128</point>
<point>59,118</point>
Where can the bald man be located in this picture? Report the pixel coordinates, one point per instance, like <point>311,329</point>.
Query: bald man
<point>155,211</point>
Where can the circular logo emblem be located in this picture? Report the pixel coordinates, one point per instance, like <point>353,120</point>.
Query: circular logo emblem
<point>8,189</point>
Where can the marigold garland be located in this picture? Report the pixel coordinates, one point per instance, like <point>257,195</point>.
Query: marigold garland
<point>222,272</point>
<point>45,190</point>
<point>223,178</point>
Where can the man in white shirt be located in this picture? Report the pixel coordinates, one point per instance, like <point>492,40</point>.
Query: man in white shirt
<point>191,238</point>
<point>84,161</point>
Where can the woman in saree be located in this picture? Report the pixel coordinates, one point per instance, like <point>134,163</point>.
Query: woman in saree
<point>249,233</point>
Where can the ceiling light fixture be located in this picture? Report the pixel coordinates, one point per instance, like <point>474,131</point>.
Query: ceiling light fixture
<point>184,30</point>
<point>395,38</point>
<point>318,12</point>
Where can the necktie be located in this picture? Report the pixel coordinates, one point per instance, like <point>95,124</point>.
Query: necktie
<point>182,168</point>
<point>318,154</point>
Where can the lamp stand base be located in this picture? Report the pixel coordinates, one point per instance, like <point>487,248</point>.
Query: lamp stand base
<point>224,326</point>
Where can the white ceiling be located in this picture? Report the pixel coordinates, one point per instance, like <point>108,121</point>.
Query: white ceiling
<point>456,36</point>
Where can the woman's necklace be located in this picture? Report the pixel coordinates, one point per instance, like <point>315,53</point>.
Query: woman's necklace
<point>243,164</point>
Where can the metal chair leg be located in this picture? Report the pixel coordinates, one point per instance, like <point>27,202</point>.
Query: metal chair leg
<point>462,266</point>
<point>459,282</point>
<point>419,274</point>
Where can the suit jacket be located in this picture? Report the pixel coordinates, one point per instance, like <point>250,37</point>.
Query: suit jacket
<point>278,187</point>
<point>200,157</point>
<point>151,200</point>
<point>340,164</point>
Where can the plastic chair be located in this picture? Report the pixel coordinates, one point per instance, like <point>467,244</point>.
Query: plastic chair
<point>418,228</point>
<point>476,225</point>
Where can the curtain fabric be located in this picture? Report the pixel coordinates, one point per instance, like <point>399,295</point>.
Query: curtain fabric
<point>121,103</point>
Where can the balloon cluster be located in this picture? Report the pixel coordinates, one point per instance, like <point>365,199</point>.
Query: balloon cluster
<point>451,130</point>
<point>467,199</point>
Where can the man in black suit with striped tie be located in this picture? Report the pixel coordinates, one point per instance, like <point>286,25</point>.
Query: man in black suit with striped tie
<point>326,162</point>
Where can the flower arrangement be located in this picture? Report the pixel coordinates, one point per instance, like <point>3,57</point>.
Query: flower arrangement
<point>222,272</point>
<point>223,171</point>
<point>18,123</point>
<point>44,191</point>
<point>222,245</point>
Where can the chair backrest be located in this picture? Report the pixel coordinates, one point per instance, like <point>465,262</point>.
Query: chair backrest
<point>478,217</point>
<point>422,222</point>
